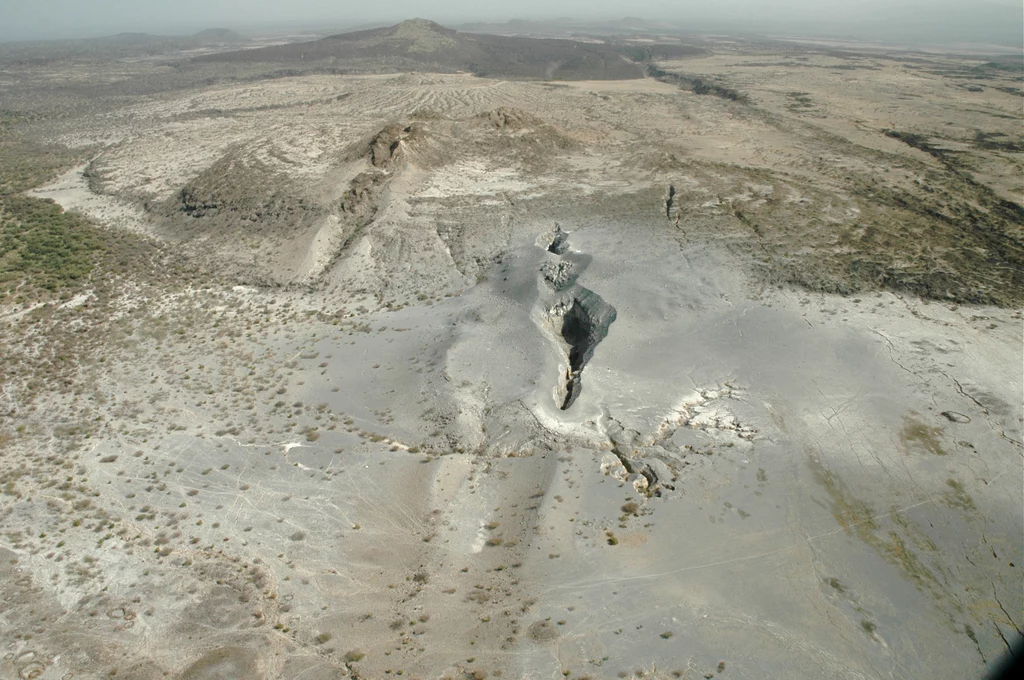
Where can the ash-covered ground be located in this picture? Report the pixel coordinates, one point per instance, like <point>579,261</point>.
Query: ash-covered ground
<point>436,375</point>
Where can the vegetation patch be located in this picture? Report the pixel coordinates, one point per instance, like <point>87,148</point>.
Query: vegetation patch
<point>42,245</point>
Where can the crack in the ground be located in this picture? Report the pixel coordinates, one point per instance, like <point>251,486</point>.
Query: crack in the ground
<point>586,319</point>
<point>1009,618</point>
<point>953,415</point>
<point>585,316</point>
<point>559,241</point>
<point>643,477</point>
<point>995,428</point>
<point>891,350</point>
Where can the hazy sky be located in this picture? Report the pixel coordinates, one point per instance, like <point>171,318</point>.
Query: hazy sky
<point>35,19</point>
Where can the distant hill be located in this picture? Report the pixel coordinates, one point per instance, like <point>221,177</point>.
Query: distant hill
<point>570,27</point>
<point>119,46</point>
<point>638,39</point>
<point>124,38</point>
<point>219,35</point>
<point>420,45</point>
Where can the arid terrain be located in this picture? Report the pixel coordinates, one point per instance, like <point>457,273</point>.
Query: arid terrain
<point>421,353</point>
